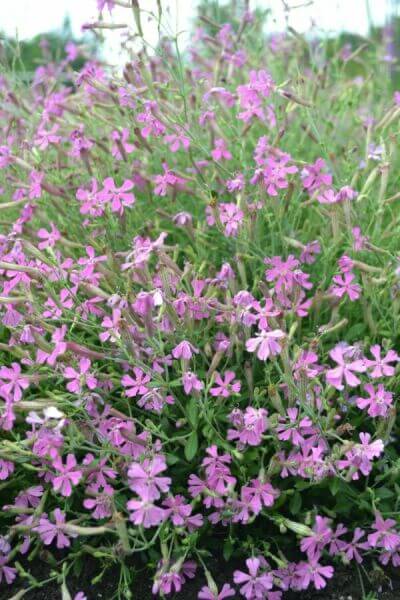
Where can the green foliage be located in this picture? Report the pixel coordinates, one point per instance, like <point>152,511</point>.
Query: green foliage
<point>24,56</point>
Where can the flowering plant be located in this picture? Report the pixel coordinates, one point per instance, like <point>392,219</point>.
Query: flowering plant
<point>199,315</point>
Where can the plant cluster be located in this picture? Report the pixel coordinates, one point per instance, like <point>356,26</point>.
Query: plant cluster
<point>199,314</point>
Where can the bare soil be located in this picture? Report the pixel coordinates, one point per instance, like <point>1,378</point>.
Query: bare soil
<point>345,585</point>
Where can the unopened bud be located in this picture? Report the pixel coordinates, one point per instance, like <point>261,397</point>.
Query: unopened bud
<point>298,528</point>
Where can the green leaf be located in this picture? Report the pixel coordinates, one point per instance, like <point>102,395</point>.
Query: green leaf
<point>356,332</point>
<point>295,503</point>
<point>191,446</point>
<point>228,549</point>
<point>172,459</point>
<point>334,486</point>
<point>302,485</point>
<point>77,567</point>
<point>193,412</point>
<point>384,493</point>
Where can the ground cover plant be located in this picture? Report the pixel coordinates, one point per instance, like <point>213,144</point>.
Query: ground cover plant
<point>199,314</point>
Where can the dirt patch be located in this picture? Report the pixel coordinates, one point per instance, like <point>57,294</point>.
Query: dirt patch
<point>345,585</point>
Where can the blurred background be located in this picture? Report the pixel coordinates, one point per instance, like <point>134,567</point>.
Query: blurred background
<point>28,22</point>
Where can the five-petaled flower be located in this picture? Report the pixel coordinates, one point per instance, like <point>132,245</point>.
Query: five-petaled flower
<point>80,378</point>
<point>67,475</point>
<point>12,382</point>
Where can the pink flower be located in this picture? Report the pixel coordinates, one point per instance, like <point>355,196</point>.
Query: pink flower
<point>265,343</point>
<point>308,253</point>
<point>286,274</point>
<point>258,494</point>
<point>313,176</point>
<point>35,187</point>
<point>206,593</point>
<point>91,258</point>
<point>220,151</point>
<point>144,478</point>
<point>44,138</point>
<point>80,378</point>
<point>224,35</point>
<point>378,402</point>
<point>80,143</point>
<point>328,196</point>
<point>236,184</point>
<point>68,475</point>
<point>346,193</point>
<point>60,346</point>
<point>112,325</point>
<point>249,426</point>
<point>381,367</point>
<point>351,549</point>
<point>231,216</point>
<point>155,400</point>
<point>392,556</point>
<point>170,576</point>
<point>91,202</point>
<point>208,115</point>
<point>359,457</point>
<point>345,369</point>
<point>196,486</point>
<point>55,310</point>
<point>384,535</point>
<point>360,241</point>
<point>6,572</point>
<point>72,52</point>
<point>137,386</point>
<point>274,175</point>
<point>12,383</point>
<point>322,535</point>
<point>183,219</point>
<point>5,157</point>
<point>184,350</point>
<point>101,504</point>
<point>224,95</point>
<point>225,386</point>
<point>101,4</point>
<point>254,584</point>
<point>178,510</point>
<point>6,469</point>
<point>260,86</point>
<point>307,365</point>
<point>219,478</point>
<point>337,545</point>
<point>49,531</point>
<point>121,146</point>
<point>260,313</point>
<point>49,238</point>
<point>191,382</point>
<point>152,125</point>
<point>296,429</point>
<point>168,180</point>
<point>344,286</point>
<point>313,572</point>
<point>261,82</point>
<point>119,198</point>
<point>166,582</point>
<point>145,513</point>
<point>180,513</point>
<point>177,140</point>
<point>254,110</point>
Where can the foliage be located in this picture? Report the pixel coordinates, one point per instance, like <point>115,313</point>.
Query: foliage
<point>24,56</point>
<point>200,314</point>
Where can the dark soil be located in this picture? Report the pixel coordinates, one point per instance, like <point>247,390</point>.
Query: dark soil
<point>345,586</point>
